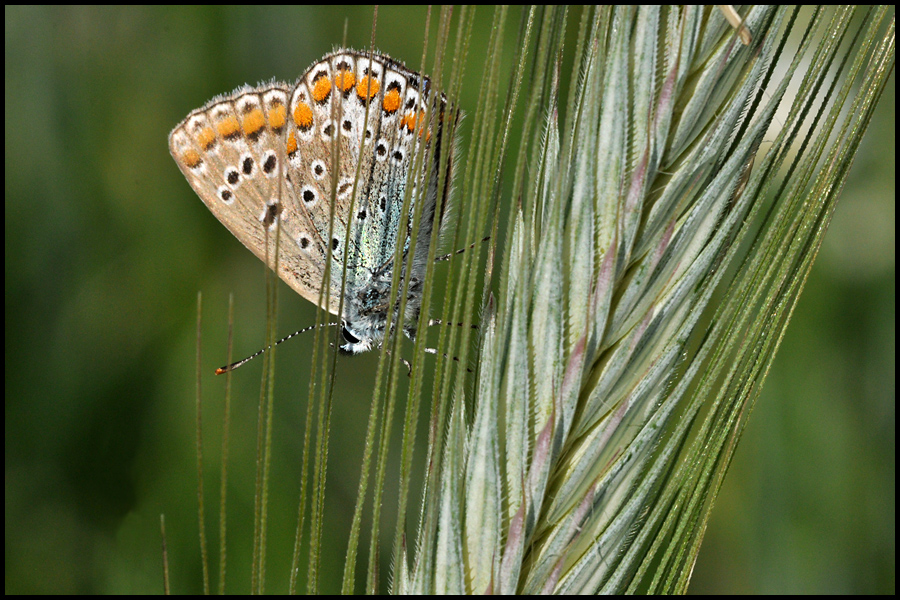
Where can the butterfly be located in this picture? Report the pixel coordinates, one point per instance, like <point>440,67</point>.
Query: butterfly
<point>330,161</point>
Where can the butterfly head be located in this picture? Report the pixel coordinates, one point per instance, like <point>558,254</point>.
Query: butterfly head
<point>366,313</point>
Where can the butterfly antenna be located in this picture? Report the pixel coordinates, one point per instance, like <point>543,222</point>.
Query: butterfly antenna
<point>439,322</point>
<point>237,364</point>
<point>408,366</point>
<point>435,352</point>
<point>461,250</point>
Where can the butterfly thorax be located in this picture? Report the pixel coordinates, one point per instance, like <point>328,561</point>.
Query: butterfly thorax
<point>366,312</point>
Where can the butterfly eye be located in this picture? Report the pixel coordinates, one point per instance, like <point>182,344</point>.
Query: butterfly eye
<point>349,336</point>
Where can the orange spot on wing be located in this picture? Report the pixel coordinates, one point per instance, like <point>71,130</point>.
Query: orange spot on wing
<point>411,119</point>
<point>303,116</point>
<point>191,158</point>
<point>391,101</point>
<point>277,116</point>
<point>408,121</point>
<point>291,143</point>
<point>344,80</point>
<point>228,127</point>
<point>206,137</point>
<point>367,88</point>
<point>253,122</point>
<point>321,89</point>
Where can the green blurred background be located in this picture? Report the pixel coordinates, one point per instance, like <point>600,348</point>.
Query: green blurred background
<point>107,246</point>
